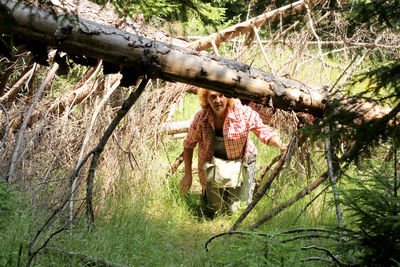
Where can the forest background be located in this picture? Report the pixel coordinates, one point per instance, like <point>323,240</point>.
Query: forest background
<point>332,198</point>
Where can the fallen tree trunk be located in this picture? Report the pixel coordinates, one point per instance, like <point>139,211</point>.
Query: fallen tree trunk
<point>144,56</point>
<point>176,127</point>
<point>135,56</point>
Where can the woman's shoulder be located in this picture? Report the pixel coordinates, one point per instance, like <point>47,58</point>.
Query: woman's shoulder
<point>201,115</point>
<point>240,108</point>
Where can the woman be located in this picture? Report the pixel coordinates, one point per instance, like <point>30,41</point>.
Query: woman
<point>221,127</point>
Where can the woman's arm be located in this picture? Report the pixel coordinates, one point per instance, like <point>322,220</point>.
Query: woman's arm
<point>276,141</point>
<point>186,181</point>
<point>264,132</point>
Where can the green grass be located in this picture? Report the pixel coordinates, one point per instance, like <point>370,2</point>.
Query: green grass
<point>146,222</point>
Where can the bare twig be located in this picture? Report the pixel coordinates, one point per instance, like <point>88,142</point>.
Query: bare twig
<point>4,138</point>
<point>48,78</point>
<point>318,40</point>
<point>233,233</point>
<point>301,230</point>
<point>128,103</point>
<point>290,202</point>
<point>178,161</point>
<point>264,171</point>
<point>215,48</point>
<point>307,190</point>
<point>292,231</point>
<point>353,69</point>
<point>309,236</point>
<point>333,257</point>
<point>128,152</point>
<point>87,136</point>
<point>266,186</point>
<point>271,67</point>
<point>32,254</point>
<point>12,93</point>
<point>89,260</point>
<point>246,26</point>
<point>332,179</point>
<point>309,203</point>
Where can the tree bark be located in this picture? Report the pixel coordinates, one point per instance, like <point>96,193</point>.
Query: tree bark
<point>136,55</point>
<point>141,55</point>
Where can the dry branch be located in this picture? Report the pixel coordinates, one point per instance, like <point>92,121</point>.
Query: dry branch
<point>260,193</point>
<point>291,201</point>
<point>76,97</point>
<point>89,260</point>
<point>264,171</point>
<point>86,139</point>
<point>247,26</point>
<point>11,94</point>
<point>176,127</point>
<point>126,106</point>
<point>44,84</point>
<point>4,138</point>
<point>7,73</point>
<point>331,173</point>
<point>323,43</point>
<point>330,254</point>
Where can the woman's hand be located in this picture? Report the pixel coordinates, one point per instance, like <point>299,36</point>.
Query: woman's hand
<point>283,146</point>
<point>186,183</point>
<point>277,142</point>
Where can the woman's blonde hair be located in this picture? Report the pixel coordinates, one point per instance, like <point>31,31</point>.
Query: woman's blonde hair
<point>203,96</point>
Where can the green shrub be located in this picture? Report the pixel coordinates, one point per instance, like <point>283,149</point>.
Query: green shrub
<point>375,207</point>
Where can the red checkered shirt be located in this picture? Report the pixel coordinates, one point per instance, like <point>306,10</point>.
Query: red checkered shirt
<point>239,121</point>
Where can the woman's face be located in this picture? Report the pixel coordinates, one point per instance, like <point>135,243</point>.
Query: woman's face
<point>218,102</point>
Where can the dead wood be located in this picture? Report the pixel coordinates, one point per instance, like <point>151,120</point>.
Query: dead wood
<point>76,97</point>
<point>106,15</point>
<point>331,173</point>
<point>334,258</point>
<point>172,128</point>
<point>11,94</point>
<point>178,161</point>
<point>5,131</point>
<point>10,67</point>
<point>49,77</point>
<point>60,104</point>
<point>32,253</point>
<point>247,26</point>
<point>290,202</point>
<point>140,55</point>
<point>264,171</point>
<point>260,193</point>
<point>86,77</point>
<point>85,142</point>
<point>126,106</point>
<point>89,260</point>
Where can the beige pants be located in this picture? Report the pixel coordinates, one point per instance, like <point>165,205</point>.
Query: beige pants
<point>229,199</point>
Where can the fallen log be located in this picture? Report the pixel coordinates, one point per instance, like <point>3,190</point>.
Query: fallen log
<point>177,127</point>
<point>139,55</point>
<point>135,56</point>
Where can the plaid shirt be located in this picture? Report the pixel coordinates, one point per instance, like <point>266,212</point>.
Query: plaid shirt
<point>239,121</point>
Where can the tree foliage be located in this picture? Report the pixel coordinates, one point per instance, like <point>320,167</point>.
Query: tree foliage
<point>170,10</point>
<point>374,205</point>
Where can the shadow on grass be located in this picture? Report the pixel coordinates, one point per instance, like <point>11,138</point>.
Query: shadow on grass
<point>198,207</point>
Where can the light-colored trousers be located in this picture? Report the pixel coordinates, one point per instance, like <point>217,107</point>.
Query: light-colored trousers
<point>230,199</point>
